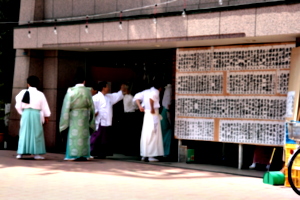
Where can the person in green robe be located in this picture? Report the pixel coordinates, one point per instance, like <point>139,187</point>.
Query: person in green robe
<point>78,115</point>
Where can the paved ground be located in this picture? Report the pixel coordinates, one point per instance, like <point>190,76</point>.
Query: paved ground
<point>201,167</point>
<point>113,179</point>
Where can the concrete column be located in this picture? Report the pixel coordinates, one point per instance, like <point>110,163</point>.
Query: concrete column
<point>22,62</point>
<point>31,10</point>
<point>240,160</point>
<point>50,70</point>
<point>42,64</point>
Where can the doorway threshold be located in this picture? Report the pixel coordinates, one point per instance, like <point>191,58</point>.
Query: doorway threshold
<point>200,167</point>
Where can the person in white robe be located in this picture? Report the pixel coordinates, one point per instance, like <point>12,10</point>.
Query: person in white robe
<point>33,107</point>
<point>129,135</point>
<point>101,139</point>
<point>151,143</point>
<point>99,101</point>
<point>129,105</point>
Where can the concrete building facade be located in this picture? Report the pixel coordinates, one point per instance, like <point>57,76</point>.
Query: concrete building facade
<point>51,39</point>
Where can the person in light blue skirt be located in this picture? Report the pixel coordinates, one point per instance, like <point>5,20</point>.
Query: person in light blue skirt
<point>32,105</point>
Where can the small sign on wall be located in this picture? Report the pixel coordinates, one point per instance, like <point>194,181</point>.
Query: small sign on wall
<point>290,104</point>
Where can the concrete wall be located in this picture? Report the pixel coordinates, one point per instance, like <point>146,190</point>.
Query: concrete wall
<point>71,8</point>
<point>55,68</point>
<point>256,22</point>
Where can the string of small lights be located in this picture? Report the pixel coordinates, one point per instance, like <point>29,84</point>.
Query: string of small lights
<point>96,16</point>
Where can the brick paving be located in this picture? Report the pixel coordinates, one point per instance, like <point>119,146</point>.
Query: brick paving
<point>54,178</point>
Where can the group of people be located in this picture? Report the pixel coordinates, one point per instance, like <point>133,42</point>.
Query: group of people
<point>86,116</point>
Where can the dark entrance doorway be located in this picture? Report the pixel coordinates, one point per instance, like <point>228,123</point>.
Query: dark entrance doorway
<point>138,69</point>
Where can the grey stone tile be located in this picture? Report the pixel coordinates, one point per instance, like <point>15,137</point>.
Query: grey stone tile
<point>159,9</point>
<point>21,39</point>
<point>46,36</point>
<point>95,33</point>
<point>203,24</point>
<point>278,20</point>
<point>128,5</point>
<point>48,7</point>
<point>83,7</point>
<point>110,6</point>
<point>112,32</point>
<point>50,135</point>
<point>26,11</point>
<point>62,8</point>
<point>21,72</point>
<point>50,79</point>
<point>68,34</point>
<point>238,21</point>
<point>142,29</point>
<point>172,27</point>
<point>13,112</point>
<point>50,95</point>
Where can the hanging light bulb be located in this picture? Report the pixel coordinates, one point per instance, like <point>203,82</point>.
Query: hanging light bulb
<point>221,2</point>
<point>86,24</point>
<point>120,23</point>
<point>155,11</point>
<point>86,29</point>
<point>29,32</point>
<point>183,13</point>
<point>154,20</point>
<point>55,31</point>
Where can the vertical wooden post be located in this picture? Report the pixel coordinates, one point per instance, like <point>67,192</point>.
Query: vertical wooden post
<point>179,145</point>
<point>240,156</point>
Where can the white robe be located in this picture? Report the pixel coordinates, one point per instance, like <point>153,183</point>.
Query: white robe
<point>99,102</point>
<point>104,107</point>
<point>151,143</point>
<point>129,105</point>
<point>37,101</point>
<point>167,100</point>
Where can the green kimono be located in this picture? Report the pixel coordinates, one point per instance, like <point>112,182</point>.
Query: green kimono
<point>78,114</point>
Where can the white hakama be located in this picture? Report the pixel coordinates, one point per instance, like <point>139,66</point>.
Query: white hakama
<point>151,138</point>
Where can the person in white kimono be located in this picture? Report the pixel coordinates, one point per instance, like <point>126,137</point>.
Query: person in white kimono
<point>129,135</point>
<point>103,101</point>
<point>97,99</point>
<point>129,105</point>
<point>32,105</point>
<point>151,144</point>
